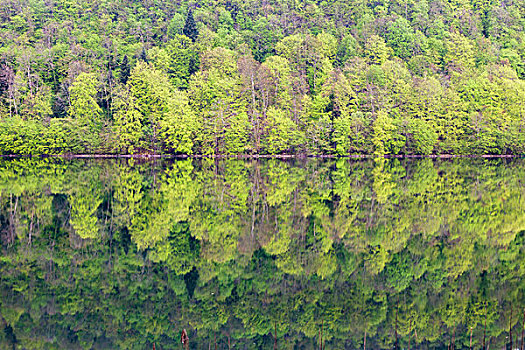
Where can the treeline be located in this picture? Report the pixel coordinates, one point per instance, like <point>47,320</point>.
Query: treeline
<point>100,254</point>
<point>278,77</point>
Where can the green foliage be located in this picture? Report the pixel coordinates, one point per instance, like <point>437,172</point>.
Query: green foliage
<point>176,25</point>
<point>20,137</point>
<point>116,68</point>
<point>179,125</point>
<point>128,121</point>
<point>83,94</point>
<point>190,28</point>
<point>216,98</point>
<point>125,70</point>
<point>350,133</point>
<point>283,136</point>
<point>84,205</point>
<point>386,137</point>
<point>376,50</point>
<point>178,60</point>
<point>400,37</point>
<point>248,250</point>
<point>460,53</point>
<point>151,92</point>
<point>423,137</point>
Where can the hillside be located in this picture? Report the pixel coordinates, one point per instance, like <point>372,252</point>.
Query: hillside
<point>262,77</point>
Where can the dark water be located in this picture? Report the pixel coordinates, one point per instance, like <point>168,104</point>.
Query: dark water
<point>400,254</point>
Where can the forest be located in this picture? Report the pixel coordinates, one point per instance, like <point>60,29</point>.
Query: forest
<point>376,254</point>
<point>271,77</point>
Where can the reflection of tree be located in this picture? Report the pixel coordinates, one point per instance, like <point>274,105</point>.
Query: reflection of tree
<point>84,205</point>
<point>179,252</point>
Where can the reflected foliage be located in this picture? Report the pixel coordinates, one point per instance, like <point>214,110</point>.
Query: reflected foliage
<point>247,254</point>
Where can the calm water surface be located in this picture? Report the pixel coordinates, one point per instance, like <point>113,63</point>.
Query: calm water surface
<point>300,254</point>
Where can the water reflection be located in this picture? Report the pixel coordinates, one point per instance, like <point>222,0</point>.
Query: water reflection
<point>301,254</point>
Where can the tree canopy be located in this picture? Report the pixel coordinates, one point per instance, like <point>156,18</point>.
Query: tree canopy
<point>248,77</point>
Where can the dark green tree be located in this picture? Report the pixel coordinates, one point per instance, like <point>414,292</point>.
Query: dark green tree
<point>190,28</point>
<point>143,55</point>
<point>125,70</point>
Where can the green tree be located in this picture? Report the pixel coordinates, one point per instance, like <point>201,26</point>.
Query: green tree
<point>283,135</point>
<point>423,137</point>
<point>190,28</point>
<point>376,50</point>
<point>179,125</point>
<point>83,94</point>
<point>127,122</point>
<point>215,95</point>
<point>125,70</point>
<point>178,59</point>
<point>459,56</point>
<point>385,135</point>
<point>84,205</point>
<point>351,133</point>
<point>400,37</point>
<point>151,91</point>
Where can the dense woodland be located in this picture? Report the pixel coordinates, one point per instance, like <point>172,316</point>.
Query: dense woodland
<point>262,77</point>
<point>403,254</point>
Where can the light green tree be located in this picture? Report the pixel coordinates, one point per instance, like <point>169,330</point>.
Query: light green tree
<point>178,60</point>
<point>385,135</point>
<point>83,95</point>
<point>127,122</point>
<point>215,96</point>
<point>459,55</point>
<point>179,125</point>
<point>423,137</point>
<point>150,90</point>
<point>351,133</point>
<point>376,50</point>
<point>282,133</point>
<point>84,204</point>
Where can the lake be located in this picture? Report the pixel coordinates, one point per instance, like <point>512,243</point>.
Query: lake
<point>262,254</point>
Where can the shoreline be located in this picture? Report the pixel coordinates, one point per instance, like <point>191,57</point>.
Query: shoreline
<point>257,156</point>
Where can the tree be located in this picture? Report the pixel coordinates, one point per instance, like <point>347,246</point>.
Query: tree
<point>179,125</point>
<point>127,122</point>
<point>83,94</point>
<point>215,96</point>
<point>423,137</point>
<point>40,103</point>
<point>319,124</point>
<point>385,136</point>
<point>151,91</point>
<point>400,37</point>
<point>178,60</point>
<point>351,133</point>
<point>190,28</point>
<point>460,53</point>
<point>176,25</point>
<point>124,70</point>
<point>283,135</point>
<point>281,78</point>
<point>84,204</point>
<point>376,50</point>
